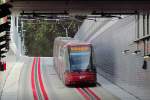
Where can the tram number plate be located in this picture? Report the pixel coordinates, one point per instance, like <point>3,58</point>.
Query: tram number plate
<point>81,77</point>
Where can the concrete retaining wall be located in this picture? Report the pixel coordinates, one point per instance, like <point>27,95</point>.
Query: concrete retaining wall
<point>124,70</point>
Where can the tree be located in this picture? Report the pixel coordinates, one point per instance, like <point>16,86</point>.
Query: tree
<point>40,34</point>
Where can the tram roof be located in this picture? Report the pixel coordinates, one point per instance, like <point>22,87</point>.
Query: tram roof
<point>68,41</point>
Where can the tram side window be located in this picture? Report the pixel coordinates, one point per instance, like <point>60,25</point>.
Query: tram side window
<point>61,52</point>
<point>66,59</point>
<point>64,56</point>
<point>93,59</point>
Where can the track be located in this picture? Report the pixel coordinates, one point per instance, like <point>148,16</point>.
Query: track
<point>88,94</point>
<point>38,90</point>
<point>56,90</point>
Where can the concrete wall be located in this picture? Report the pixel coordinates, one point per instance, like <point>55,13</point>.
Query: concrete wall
<point>15,43</point>
<point>124,70</point>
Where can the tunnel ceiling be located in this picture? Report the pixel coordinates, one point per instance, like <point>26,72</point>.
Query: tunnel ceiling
<point>82,6</point>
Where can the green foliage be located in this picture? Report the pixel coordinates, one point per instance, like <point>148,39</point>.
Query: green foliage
<point>39,35</point>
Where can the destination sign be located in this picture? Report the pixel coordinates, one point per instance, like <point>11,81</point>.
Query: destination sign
<point>80,48</point>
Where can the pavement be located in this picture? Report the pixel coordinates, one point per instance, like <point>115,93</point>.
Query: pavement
<point>10,87</point>
<point>10,62</point>
<point>114,89</point>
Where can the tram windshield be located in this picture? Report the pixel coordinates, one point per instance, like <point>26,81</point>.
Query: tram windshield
<point>80,59</point>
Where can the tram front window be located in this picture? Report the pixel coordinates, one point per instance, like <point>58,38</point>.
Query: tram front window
<point>80,61</point>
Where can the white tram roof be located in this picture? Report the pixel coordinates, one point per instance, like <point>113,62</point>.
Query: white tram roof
<point>71,41</point>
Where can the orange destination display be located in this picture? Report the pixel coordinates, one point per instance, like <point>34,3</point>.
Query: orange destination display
<point>80,48</point>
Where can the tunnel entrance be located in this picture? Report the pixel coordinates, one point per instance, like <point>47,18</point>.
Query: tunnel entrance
<point>64,17</point>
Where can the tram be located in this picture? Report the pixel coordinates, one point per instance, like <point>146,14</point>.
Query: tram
<point>74,61</point>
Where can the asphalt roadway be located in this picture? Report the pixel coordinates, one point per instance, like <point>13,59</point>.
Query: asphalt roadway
<point>34,78</point>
